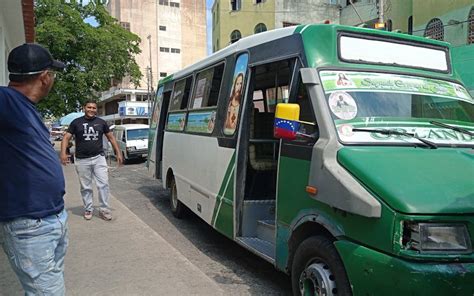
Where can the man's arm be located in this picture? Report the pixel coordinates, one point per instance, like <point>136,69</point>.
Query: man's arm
<point>66,138</point>
<point>118,154</point>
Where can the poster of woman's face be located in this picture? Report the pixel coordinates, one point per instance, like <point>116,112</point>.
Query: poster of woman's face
<point>236,95</point>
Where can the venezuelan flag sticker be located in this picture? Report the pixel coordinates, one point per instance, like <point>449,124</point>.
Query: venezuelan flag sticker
<point>286,129</point>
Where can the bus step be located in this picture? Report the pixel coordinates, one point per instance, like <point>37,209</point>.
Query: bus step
<point>262,247</point>
<point>266,230</point>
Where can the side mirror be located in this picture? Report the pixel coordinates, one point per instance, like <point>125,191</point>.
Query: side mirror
<point>286,123</point>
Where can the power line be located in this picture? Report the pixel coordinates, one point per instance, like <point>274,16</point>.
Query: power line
<point>447,25</point>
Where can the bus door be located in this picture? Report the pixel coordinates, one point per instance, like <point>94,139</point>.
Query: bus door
<point>269,84</point>
<point>157,125</point>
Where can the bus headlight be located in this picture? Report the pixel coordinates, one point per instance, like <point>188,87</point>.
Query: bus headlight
<point>436,238</point>
<point>131,148</point>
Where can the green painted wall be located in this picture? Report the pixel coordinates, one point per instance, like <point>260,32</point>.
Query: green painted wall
<point>399,13</point>
<point>244,20</point>
<point>455,31</point>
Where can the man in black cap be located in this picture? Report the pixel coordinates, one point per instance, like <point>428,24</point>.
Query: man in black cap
<point>33,221</point>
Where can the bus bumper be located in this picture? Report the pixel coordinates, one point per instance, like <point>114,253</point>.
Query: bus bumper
<point>374,273</point>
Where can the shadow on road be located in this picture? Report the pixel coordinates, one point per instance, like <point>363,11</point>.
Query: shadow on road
<point>231,264</point>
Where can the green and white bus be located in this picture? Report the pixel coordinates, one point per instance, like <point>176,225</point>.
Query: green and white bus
<point>343,156</point>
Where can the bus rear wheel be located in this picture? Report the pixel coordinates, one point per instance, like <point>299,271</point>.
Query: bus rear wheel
<point>317,269</point>
<point>177,208</point>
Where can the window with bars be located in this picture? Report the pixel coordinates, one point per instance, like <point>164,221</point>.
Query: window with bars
<point>470,27</point>
<point>434,29</point>
<point>163,2</point>
<point>174,4</point>
<point>260,28</point>
<point>164,49</point>
<point>288,24</point>
<point>175,50</point>
<point>125,25</point>
<point>235,36</point>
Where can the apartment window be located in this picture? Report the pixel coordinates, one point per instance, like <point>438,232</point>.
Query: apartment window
<point>162,28</point>
<point>175,50</point>
<point>125,25</point>
<point>207,87</point>
<point>288,24</point>
<point>389,25</point>
<point>163,2</point>
<point>260,28</point>
<point>235,36</point>
<point>410,25</point>
<point>470,27</point>
<point>163,74</point>
<point>174,4</point>
<point>164,49</point>
<point>235,5</point>
<point>434,29</point>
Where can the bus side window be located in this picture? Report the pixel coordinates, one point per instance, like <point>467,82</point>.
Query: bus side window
<point>306,114</point>
<point>207,87</point>
<point>180,94</point>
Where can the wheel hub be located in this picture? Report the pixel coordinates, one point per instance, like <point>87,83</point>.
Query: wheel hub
<point>317,279</point>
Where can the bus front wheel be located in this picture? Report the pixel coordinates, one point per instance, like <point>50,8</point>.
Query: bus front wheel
<point>317,269</point>
<point>177,208</point>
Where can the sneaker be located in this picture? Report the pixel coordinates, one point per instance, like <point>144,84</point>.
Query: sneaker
<point>88,215</point>
<point>107,216</point>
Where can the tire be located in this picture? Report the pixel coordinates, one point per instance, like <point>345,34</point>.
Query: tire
<point>177,208</point>
<point>124,160</point>
<point>317,269</point>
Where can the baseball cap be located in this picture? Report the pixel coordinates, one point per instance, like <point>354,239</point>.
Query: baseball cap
<point>31,58</point>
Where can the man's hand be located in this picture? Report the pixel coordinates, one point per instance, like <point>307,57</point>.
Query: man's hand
<point>119,159</point>
<point>64,158</point>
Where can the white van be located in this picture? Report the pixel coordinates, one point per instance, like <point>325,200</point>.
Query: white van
<point>132,140</point>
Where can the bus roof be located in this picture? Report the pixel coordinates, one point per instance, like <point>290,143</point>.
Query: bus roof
<point>323,54</point>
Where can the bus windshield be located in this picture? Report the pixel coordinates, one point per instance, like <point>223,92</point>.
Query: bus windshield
<point>399,103</point>
<point>137,134</point>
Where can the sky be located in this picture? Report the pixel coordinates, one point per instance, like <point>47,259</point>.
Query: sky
<point>209,3</point>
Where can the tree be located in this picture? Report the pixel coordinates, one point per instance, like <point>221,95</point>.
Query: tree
<point>93,55</point>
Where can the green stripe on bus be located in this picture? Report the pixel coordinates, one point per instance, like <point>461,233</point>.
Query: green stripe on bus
<point>225,191</point>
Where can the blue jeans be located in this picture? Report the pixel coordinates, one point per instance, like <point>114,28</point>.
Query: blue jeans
<point>36,249</point>
<point>93,168</point>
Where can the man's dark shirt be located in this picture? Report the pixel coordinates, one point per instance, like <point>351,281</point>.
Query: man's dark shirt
<point>31,177</point>
<point>88,133</point>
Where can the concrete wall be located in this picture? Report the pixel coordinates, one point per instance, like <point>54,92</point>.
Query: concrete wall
<point>185,30</point>
<point>305,12</point>
<point>193,30</point>
<point>12,33</point>
<point>366,9</point>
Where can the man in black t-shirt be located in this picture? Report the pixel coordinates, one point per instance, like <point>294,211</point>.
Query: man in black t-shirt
<point>90,158</point>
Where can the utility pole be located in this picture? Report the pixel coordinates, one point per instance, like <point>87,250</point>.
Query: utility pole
<point>151,71</point>
<point>381,19</point>
<point>150,81</point>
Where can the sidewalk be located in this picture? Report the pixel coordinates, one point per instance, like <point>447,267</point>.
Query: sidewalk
<point>120,257</point>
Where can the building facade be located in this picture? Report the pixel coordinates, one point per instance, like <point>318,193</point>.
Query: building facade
<point>173,35</point>
<point>235,19</point>
<point>17,22</point>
